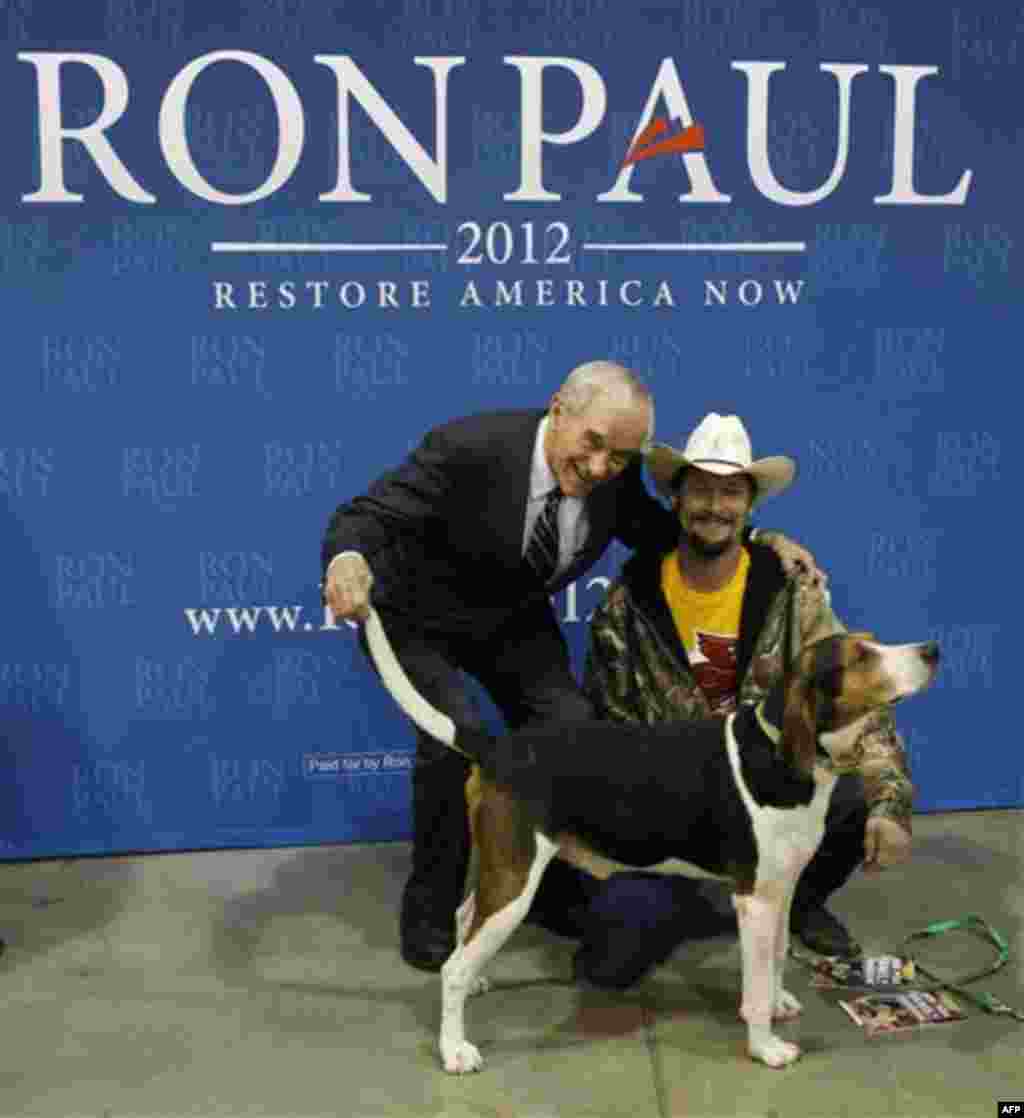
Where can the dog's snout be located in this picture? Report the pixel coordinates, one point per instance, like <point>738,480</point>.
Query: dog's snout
<point>930,652</point>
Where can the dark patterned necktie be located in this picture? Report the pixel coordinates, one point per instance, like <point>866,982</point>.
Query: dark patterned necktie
<point>542,550</point>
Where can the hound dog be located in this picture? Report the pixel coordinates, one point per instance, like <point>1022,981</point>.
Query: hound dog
<point>741,798</point>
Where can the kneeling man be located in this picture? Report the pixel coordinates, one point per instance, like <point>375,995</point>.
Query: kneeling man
<point>695,631</point>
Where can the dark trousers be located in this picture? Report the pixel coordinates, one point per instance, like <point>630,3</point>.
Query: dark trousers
<point>636,920</point>
<point>524,667</point>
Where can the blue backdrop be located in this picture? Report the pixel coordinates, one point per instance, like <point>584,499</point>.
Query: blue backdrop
<point>178,422</point>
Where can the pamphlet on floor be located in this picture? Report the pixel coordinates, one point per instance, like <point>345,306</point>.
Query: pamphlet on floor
<point>898,1012</point>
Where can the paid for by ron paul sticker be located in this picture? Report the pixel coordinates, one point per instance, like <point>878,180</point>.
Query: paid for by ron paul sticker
<point>327,766</point>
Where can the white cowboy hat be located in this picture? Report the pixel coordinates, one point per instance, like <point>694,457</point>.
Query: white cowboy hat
<point>720,444</point>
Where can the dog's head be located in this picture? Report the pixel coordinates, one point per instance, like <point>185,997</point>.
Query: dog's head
<point>836,683</point>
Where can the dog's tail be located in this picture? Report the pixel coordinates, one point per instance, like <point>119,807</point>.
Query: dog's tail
<point>427,717</point>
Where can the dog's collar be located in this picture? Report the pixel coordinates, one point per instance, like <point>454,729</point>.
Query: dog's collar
<point>773,733</point>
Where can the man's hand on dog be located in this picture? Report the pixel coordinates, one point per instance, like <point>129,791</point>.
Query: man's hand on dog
<point>795,560</point>
<point>347,588</point>
<point>886,844</point>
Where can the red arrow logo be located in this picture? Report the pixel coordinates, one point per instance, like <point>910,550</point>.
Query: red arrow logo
<point>648,144</point>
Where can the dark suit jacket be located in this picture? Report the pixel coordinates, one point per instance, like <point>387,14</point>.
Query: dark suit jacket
<point>443,533</point>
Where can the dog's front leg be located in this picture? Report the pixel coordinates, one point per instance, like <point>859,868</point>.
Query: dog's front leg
<point>786,1006</point>
<point>758,918</point>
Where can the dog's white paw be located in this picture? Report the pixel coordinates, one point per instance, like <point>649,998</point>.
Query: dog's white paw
<point>774,1051</point>
<point>786,1007</point>
<point>479,985</point>
<point>461,1058</point>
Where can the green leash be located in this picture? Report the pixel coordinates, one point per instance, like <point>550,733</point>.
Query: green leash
<point>979,927</point>
<point>975,925</point>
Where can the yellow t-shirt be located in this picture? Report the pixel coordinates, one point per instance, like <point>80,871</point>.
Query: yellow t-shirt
<point>708,623</point>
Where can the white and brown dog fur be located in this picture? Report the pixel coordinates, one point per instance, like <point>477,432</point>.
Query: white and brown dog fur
<point>742,799</point>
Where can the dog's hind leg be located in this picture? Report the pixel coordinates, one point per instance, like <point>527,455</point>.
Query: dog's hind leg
<point>466,913</point>
<point>503,900</point>
<point>464,917</point>
<point>758,917</point>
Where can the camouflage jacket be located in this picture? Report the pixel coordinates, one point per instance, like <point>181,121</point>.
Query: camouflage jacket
<point>637,668</point>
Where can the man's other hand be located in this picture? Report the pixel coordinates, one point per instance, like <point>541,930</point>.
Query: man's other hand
<point>886,844</point>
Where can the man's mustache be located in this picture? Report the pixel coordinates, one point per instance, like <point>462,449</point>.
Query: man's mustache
<point>727,521</point>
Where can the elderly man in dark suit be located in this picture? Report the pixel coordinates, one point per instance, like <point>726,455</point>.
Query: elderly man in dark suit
<point>463,546</point>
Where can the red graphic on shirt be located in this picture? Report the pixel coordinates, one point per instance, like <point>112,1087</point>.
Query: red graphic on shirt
<point>714,666</point>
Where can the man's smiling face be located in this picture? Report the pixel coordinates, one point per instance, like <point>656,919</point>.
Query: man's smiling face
<point>713,509</point>
<point>596,444</point>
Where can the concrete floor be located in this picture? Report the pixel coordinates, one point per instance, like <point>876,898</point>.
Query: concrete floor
<point>269,983</point>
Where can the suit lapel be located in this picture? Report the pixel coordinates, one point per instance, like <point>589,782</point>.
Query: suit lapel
<point>505,509</point>
<point>601,508</point>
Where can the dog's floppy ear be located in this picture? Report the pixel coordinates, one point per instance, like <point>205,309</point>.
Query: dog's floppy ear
<point>799,722</point>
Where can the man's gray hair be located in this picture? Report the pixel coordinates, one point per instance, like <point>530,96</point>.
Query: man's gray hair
<point>596,378</point>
